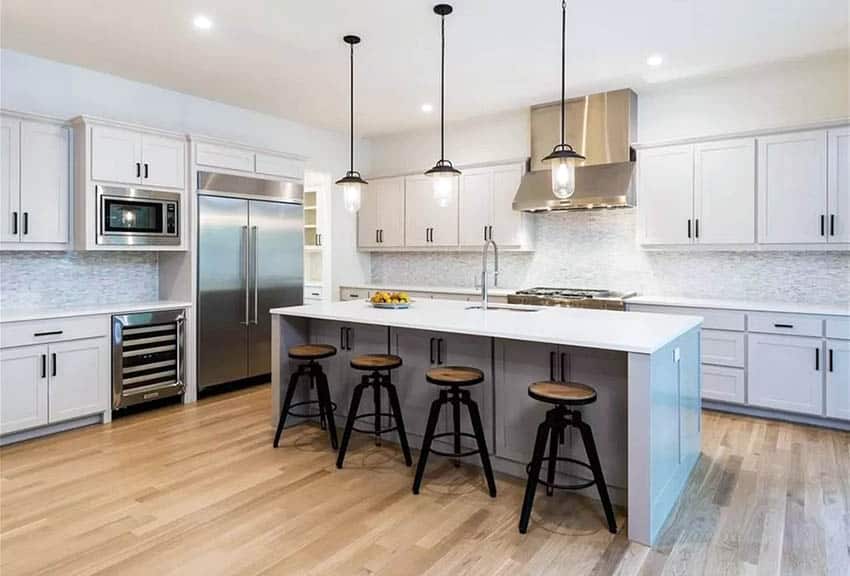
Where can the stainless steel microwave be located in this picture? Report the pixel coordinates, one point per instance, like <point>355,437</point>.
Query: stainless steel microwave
<point>137,217</point>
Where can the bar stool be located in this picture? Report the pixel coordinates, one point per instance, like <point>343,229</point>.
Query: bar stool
<point>310,353</point>
<point>565,396</point>
<point>378,367</point>
<point>455,380</point>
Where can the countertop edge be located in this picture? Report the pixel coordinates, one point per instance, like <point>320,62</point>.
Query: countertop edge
<point>745,305</point>
<point>106,309</point>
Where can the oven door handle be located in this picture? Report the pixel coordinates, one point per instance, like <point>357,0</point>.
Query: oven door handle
<point>245,265</point>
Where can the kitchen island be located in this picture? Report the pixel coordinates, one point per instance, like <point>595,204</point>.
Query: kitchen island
<point>644,367</point>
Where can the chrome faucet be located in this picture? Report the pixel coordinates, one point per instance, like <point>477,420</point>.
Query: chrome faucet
<point>484,296</point>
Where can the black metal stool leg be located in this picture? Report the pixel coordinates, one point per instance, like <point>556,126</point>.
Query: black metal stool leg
<point>456,423</point>
<point>349,423</point>
<point>554,438</point>
<point>596,467</point>
<point>314,369</point>
<point>326,410</point>
<point>290,392</point>
<point>392,394</point>
<point>376,403</point>
<point>433,417</point>
<point>475,416</point>
<point>533,475</point>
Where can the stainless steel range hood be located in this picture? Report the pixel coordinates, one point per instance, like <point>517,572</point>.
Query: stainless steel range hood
<point>601,127</point>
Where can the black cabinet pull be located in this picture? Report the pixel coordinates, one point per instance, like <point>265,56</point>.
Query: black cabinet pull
<point>783,325</point>
<point>822,225</point>
<point>15,223</point>
<point>817,359</point>
<point>689,227</point>
<point>44,365</point>
<point>146,169</point>
<point>54,363</point>
<point>439,350</point>
<point>341,338</point>
<point>376,235</point>
<point>485,233</point>
<point>489,232</point>
<point>51,333</point>
<point>432,350</point>
<point>830,359</point>
<point>26,222</point>
<point>563,372</point>
<point>138,169</point>
<point>348,339</point>
<point>552,365</point>
<point>382,235</point>
<point>832,224</point>
<point>696,228</point>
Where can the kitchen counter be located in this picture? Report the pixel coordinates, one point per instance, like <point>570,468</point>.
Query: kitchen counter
<point>645,368</point>
<point>749,305</point>
<point>465,291</point>
<point>48,312</point>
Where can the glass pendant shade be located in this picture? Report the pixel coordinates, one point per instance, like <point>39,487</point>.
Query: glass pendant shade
<point>443,176</point>
<point>352,187</point>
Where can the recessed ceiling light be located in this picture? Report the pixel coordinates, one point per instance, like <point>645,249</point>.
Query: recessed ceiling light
<point>655,60</point>
<point>427,108</point>
<point>201,22</point>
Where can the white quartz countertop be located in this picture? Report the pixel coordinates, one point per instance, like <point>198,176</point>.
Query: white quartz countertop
<point>49,312</point>
<point>748,305</point>
<point>603,329</point>
<point>467,291</point>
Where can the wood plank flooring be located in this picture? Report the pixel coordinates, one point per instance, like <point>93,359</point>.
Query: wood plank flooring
<point>198,489</point>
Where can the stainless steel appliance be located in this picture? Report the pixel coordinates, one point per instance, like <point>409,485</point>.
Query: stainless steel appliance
<point>571,297</point>
<point>250,259</point>
<point>137,217</point>
<point>602,128</point>
<point>147,357</point>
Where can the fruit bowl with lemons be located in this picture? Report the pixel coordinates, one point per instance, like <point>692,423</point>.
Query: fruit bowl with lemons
<point>390,300</point>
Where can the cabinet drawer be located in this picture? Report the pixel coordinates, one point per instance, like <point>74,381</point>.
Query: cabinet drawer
<point>313,292</point>
<point>278,166</point>
<point>723,348</point>
<point>723,383</point>
<point>712,319</point>
<point>44,331</point>
<point>346,294</point>
<point>794,324</point>
<point>838,328</point>
<point>223,157</point>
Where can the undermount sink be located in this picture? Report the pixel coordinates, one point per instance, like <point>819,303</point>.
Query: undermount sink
<point>505,308</point>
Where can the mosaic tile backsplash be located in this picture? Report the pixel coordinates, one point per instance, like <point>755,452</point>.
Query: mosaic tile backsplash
<point>57,279</point>
<point>597,250</point>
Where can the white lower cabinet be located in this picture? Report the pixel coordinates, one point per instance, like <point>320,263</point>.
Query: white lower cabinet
<point>838,379</point>
<point>23,388</point>
<point>723,383</point>
<point>786,373</point>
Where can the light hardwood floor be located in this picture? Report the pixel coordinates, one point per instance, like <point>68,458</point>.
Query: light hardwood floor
<point>199,490</point>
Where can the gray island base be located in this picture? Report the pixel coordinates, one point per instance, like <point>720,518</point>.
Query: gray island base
<point>644,367</point>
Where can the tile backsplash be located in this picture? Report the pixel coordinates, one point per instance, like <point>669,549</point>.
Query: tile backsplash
<point>57,279</point>
<point>597,249</point>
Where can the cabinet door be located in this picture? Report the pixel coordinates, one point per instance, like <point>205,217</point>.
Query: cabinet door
<point>786,373</point>
<point>838,379</point>
<point>444,219</point>
<point>507,222</point>
<point>116,155</point>
<point>278,166</point>
<point>23,388</point>
<point>362,339</point>
<point>45,187</point>
<point>725,192</point>
<point>10,179</point>
<point>723,383</point>
<point>476,193</point>
<point>325,332</point>
<point>390,212</point>
<point>666,186</point>
<point>79,376</point>
<point>474,351</point>
<point>417,349</point>
<point>418,199</point>
<point>839,185</point>
<point>163,161</point>
<point>367,216</point>
<point>792,188</point>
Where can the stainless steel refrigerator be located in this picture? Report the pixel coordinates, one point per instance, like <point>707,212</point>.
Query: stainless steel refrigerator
<point>250,259</point>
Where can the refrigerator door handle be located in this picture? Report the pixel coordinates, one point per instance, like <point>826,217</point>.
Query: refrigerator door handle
<point>245,256</point>
<point>256,276</point>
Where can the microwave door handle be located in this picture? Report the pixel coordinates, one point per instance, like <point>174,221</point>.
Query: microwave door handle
<point>256,279</point>
<point>245,260</point>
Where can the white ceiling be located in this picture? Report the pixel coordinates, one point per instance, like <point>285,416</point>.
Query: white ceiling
<point>287,58</point>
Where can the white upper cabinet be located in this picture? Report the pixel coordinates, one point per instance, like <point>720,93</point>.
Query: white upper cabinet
<point>839,185</point>
<point>725,192</point>
<point>129,157</point>
<point>45,182</point>
<point>10,179</point>
<point>486,206</point>
<point>220,155</point>
<point>215,156</point>
<point>279,166</point>
<point>665,196</point>
<point>792,188</point>
<point>380,220</point>
<point>510,227</point>
<point>427,223</point>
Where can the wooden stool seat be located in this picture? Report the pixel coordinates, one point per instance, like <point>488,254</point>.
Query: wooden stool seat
<point>569,393</point>
<point>374,362</point>
<point>311,351</point>
<point>454,376</point>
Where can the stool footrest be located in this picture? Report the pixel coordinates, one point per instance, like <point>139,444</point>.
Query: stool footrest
<point>372,430</point>
<point>454,454</point>
<point>578,486</point>
<point>307,414</point>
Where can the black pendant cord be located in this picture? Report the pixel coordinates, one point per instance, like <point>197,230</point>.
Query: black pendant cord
<point>443,90</point>
<point>563,65</point>
<point>352,107</point>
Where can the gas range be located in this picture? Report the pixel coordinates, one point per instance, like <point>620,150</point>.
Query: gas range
<point>572,297</point>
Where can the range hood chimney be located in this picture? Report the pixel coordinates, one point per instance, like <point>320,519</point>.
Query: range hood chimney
<point>601,127</point>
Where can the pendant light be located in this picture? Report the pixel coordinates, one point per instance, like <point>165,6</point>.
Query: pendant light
<point>562,161</point>
<point>443,172</point>
<point>352,184</point>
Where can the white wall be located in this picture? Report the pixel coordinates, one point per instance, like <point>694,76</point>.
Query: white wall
<point>31,84</point>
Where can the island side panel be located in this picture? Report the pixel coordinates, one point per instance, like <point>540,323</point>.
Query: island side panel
<point>664,431</point>
<point>287,331</point>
